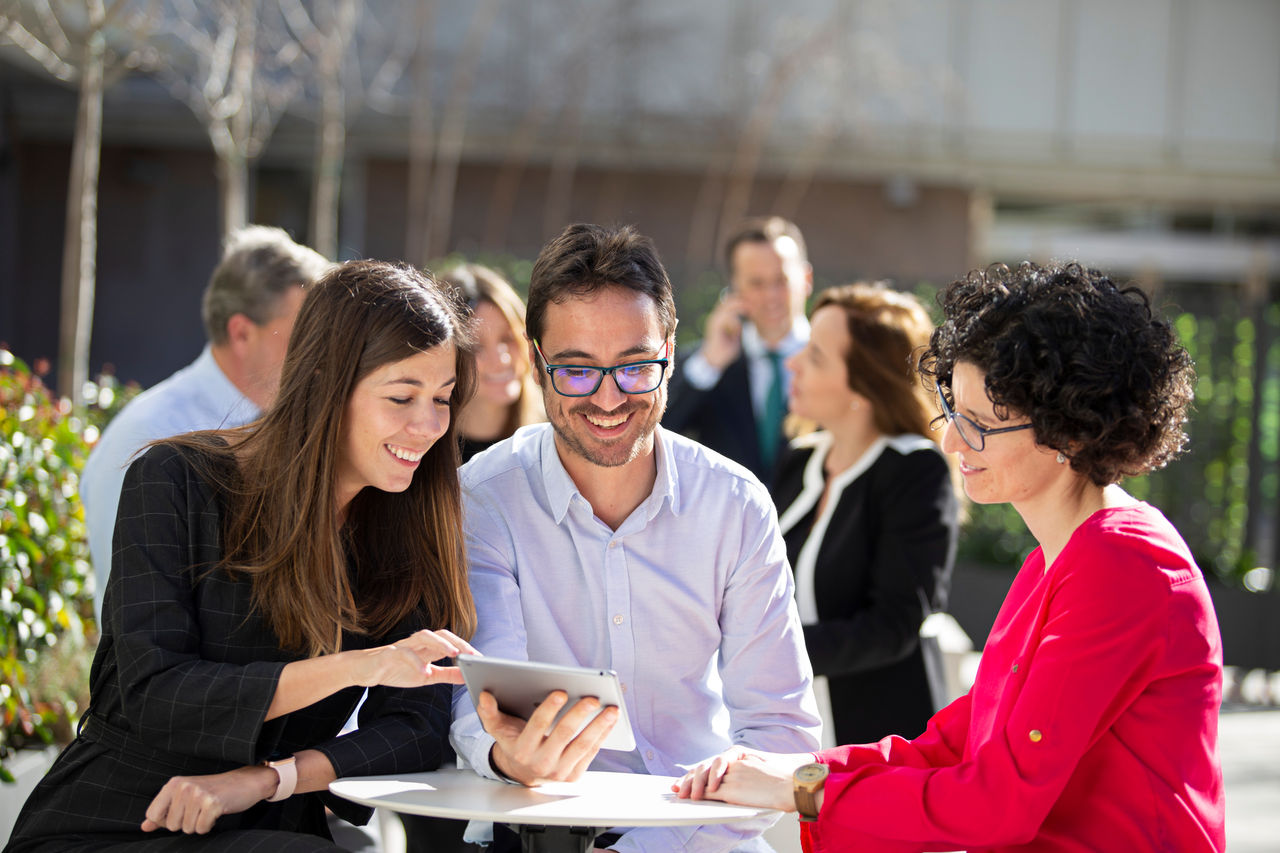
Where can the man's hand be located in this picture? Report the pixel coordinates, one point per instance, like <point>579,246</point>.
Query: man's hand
<point>191,804</point>
<point>533,753</point>
<point>744,776</point>
<point>408,663</point>
<point>722,338</point>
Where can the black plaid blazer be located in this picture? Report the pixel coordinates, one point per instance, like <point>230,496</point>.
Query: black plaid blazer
<point>182,680</point>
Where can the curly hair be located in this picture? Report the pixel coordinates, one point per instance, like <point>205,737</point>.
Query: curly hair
<point>1102,380</point>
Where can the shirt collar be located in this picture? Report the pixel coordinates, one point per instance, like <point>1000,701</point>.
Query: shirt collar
<point>220,390</point>
<point>754,347</point>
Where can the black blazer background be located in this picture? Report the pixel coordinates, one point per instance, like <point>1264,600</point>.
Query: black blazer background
<point>184,674</point>
<point>891,537</point>
<point>720,417</point>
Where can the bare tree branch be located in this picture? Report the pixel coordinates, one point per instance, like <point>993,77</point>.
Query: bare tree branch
<point>237,68</point>
<point>19,35</point>
<point>54,35</point>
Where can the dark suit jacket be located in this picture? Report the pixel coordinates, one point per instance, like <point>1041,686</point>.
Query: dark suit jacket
<point>721,417</point>
<point>891,540</point>
<point>184,674</point>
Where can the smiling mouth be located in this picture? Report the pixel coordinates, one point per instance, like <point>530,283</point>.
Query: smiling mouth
<point>608,421</point>
<point>405,454</point>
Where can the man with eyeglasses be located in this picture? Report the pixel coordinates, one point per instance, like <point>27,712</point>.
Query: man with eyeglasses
<point>602,540</point>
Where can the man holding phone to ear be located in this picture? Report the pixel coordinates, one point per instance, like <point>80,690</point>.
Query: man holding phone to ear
<point>602,540</point>
<point>731,394</point>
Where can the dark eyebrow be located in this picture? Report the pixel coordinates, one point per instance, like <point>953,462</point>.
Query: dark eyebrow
<point>560,355</point>
<point>417,383</point>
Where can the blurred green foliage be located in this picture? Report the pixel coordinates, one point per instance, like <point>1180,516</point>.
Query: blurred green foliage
<point>47,629</point>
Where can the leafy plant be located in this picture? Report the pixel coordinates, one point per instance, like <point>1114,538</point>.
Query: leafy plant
<point>47,629</point>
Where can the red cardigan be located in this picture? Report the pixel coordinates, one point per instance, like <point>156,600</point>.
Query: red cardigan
<point>1092,724</point>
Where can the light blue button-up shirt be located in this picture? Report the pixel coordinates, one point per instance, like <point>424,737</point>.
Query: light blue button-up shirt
<point>690,601</point>
<point>199,396</point>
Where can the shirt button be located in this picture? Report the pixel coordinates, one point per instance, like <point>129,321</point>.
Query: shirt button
<point>1035,735</point>
<point>649,754</point>
<point>613,544</point>
<point>1015,667</point>
<point>617,619</point>
<point>624,687</point>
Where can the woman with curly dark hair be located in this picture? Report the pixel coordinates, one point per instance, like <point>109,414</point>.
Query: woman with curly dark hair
<point>1092,723</point>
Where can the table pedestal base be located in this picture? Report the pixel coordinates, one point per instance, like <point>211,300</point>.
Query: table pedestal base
<point>556,839</point>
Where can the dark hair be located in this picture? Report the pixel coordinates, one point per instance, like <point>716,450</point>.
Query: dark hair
<point>888,331</point>
<point>766,229</point>
<point>259,264</point>
<point>1102,380</point>
<point>587,258</point>
<point>397,554</point>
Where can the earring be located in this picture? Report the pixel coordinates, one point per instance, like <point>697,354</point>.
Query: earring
<point>1061,458</point>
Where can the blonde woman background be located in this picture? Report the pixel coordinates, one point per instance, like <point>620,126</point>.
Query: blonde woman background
<point>506,397</point>
<point>868,510</point>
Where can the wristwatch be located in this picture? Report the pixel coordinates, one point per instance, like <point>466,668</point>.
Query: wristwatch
<point>807,782</point>
<point>286,767</point>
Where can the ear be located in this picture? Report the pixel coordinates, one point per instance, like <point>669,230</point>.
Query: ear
<point>808,280</point>
<point>240,330</point>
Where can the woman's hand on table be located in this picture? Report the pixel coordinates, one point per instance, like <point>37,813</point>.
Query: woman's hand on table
<point>744,776</point>
<point>410,662</point>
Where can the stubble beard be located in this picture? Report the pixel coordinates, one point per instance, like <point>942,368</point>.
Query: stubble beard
<point>613,454</point>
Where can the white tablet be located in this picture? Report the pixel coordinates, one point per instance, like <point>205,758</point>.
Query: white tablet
<point>521,685</point>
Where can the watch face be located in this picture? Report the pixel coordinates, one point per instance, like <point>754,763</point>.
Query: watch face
<point>811,773</point>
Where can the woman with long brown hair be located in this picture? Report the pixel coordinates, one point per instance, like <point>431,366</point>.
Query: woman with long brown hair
<point>506,397</point>
<point>263,577</point>
<point>868,511</point>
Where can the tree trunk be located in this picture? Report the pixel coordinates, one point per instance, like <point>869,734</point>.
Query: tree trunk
<point>233,181</point>
<point>453,127</point>
<point>233,157</point>
<point>331,140</point>
<point>80,242</point>
<point>421,142</point>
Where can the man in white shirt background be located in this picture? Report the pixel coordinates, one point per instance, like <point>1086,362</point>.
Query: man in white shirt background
<point>601,539</point>
<point>248,309</point>
<point>731,394</point>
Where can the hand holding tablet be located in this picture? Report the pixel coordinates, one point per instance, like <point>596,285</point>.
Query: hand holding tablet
<point>521,686</point>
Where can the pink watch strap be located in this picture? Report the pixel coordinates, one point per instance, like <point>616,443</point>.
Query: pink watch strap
<point>287,770</point>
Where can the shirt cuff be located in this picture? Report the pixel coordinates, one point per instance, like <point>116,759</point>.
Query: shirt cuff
<point>699,373</point>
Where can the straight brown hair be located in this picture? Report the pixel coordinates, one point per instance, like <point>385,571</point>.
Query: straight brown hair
<point>396,554</point>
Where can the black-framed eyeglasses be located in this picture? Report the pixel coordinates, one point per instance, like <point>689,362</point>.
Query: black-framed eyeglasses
<point>583,380</point>
<point>973,435</point>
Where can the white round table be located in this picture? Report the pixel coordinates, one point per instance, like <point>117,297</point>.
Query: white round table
<point>559,816</point>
